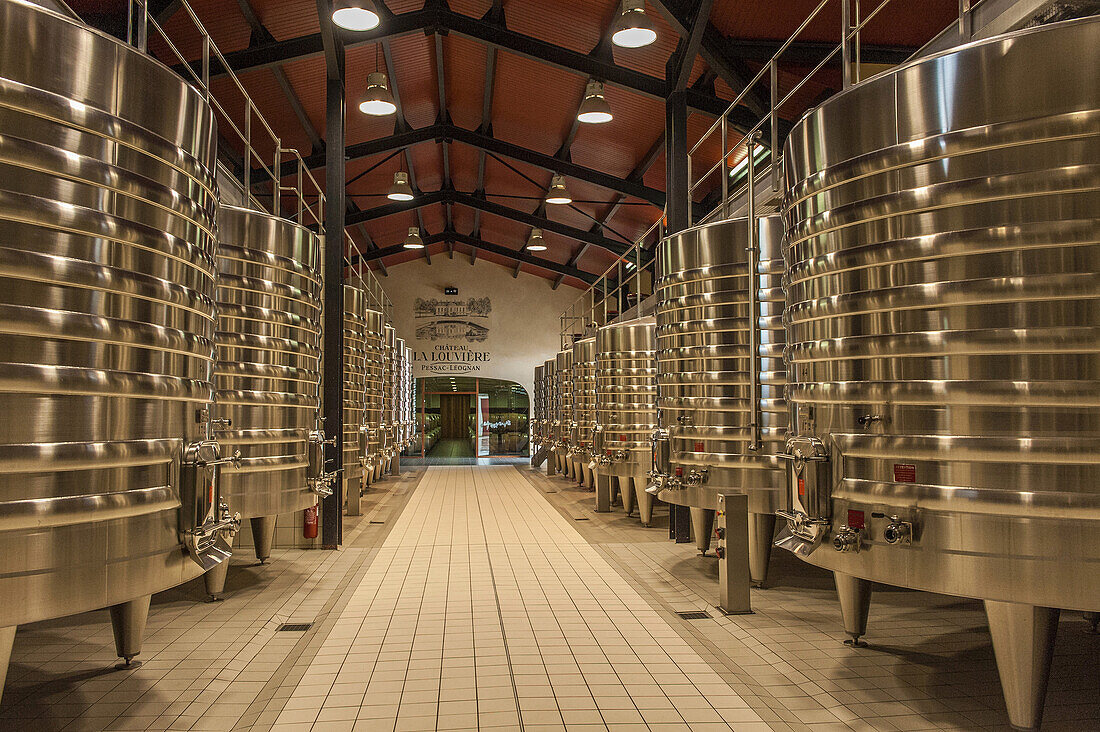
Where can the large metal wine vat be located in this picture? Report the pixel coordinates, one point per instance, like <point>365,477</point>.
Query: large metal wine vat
<point>584,407</point>
<point>721,374</point>
<point>538,411</point>
<point>552,414</point>
<point>944,287</point>
<point>108,483</point>
<point>355,394</point>
<point>267,373</point>
<point>626,413</point>
<point>375,436</point>
<point>399,406</point>
<point>563,398</point>
<point>389,399</point>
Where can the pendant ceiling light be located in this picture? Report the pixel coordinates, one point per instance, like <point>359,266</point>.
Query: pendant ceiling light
<point>354,15</point>
<point>633,28</point>
<point>594,109</point>
<point>400,190</point>
<point>534,242</point>
<point>558,194</point>
<point>378,100</point>
<point>413,240</point>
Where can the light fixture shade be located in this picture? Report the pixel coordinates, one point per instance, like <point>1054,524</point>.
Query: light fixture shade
<point>354,15</point>
<point>558,194</point>
<point>594,109</point>
<point>633,28</point>
<point>535,242</point>
<point>400,190</point>
<point>378,100</point>
<point>413,240</point>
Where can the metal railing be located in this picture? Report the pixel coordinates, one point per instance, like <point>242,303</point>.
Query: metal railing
<point>307,204</point>
<point>610,297</point>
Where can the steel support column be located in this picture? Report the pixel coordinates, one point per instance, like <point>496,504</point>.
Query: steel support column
<point>332,520</point>
<point>676,211</point>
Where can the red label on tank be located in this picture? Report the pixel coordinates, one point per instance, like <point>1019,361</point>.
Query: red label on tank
<point>855,519</point>
<point>679,472</point>
<point>905,473</point>
<point>802,487</point>
<point>622,438</point>
<point>608,452</point>
<point>698,447</point>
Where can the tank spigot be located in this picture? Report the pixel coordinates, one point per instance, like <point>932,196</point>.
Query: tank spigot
<point>696,477</point>
<point>847,540</point>
<point>867,419</point>
<point>898,532</point>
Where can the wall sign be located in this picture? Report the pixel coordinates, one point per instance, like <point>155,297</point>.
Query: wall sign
<point>453,328</point>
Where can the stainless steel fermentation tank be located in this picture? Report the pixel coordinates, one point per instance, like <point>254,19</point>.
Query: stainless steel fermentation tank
<point>584,408</point>
<point>410,398</point>
<point>552,414</point>
<point>108,479</point>
<point>374,370</point>
<point>267,372</point>
<point>944,287</point>
<point>721,375</point>
<point>389,401</point>
<point>626,414</point>
<point>563,398</point>
<point>538,412</point>
<point>355,394</point>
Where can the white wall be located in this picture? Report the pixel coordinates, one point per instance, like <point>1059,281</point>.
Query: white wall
<point>523,321</point>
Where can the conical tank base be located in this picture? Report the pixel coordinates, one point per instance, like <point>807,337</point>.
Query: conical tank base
<point>626,492</point>
<point>855,604</point>
<point>352,495</point>
<point>263,536</point>
<point>1023,642</point>
<point>128,623</point>
<point>702,526</point>
<point>214,579</point>
<point>645,501</point>
<point>761,531</point>
<point>7,639</point>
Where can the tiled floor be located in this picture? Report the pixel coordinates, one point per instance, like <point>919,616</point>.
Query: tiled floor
<point>492,597</point>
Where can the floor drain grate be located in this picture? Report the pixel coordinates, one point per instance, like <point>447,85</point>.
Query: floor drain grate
<point>378,522</point>
<point>583,518</point>
<point>694,615</point>
<point>296,627</point>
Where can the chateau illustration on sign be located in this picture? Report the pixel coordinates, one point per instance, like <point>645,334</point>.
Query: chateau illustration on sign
<point>451,320</point>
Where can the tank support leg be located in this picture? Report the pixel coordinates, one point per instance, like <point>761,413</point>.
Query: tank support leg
<point>761,532</point>
<point>263,536</point>
<point>626,493</point>
<point>7,640</point>
<point>214,579</point>
<point>552,463</point>
<point>1092,619</point>
<point>395,464</point>
<point>128,623</point>
<point>353,493</point>
<point>855,604</point>
<point>589,481</point>
<point>645,501</point>
<point>702,526</point>
<point>1023,642</point>
<point>603,492</point>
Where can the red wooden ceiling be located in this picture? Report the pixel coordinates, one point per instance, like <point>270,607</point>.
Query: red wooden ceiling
<point>533,105</point>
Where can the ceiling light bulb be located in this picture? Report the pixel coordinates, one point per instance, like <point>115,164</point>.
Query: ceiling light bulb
<point>400,190</point>
<point>558,194</point>
<point>354,15</point>
<point>378,100</point>
<point>594,109</point>
<point>413,240</point>
<point>534,242</point>
<point>633,28</point>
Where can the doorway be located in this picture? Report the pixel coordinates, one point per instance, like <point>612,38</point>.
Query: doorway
<point>470,418</point>
<point>456,427</point>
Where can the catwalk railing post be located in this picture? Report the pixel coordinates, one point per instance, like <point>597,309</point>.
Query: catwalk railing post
<point>332,527</point>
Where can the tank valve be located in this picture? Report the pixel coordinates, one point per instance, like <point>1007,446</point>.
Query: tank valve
<point>898,532</point>
<point>847,540</point>
<point>696,477</point>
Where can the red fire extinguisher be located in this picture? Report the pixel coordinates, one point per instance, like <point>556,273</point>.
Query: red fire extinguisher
<point>309,524</point>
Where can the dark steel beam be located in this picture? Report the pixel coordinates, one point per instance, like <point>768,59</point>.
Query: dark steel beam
<point>810,53</point>
<point>481,141</point>
<point>692,38</point>
<point>503,251</point>
<point>335,212</point>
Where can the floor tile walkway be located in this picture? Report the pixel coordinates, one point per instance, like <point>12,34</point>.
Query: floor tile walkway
<point>486,609</point>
